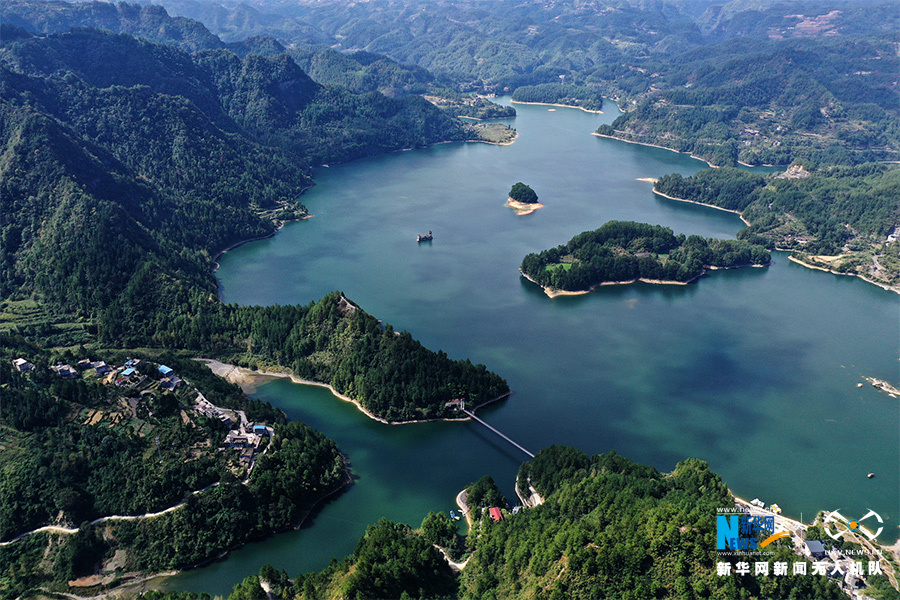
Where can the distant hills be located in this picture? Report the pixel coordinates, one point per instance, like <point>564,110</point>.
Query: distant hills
<point>755,82</point>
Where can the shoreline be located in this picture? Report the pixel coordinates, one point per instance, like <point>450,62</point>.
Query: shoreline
<point>218,255</point>
<point>243,376</point>
<point>523,208</point>
<point>736,212</point>
<point>346,481</point>
<point>880,284</point>
<point>587,110</point>
<point>791,257</point>
<point>509,143</point>
<point>553,293</point>
<point>461,502</point>
<point>612,137</point>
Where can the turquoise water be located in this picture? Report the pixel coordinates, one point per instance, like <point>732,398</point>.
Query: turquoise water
<point>752,370</point>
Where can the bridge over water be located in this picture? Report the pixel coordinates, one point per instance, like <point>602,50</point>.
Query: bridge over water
<point>471,414</point>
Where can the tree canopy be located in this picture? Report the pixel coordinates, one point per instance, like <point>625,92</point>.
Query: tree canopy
<point>521,192</point>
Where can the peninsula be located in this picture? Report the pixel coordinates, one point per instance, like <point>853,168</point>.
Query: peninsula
<point>623,252</point>
<point>841,219</point>
<point>556,94</point>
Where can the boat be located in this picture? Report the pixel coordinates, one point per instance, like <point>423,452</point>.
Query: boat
<point>425,238</point>
<point>453,515</point>
<point>870,475</point>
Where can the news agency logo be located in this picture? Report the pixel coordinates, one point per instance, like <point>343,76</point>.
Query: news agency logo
<point>740,532</point>
<point>853,525</point>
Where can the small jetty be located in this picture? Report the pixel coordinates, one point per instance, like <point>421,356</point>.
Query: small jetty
<point>425,238</point>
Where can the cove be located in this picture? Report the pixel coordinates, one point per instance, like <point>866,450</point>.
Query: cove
<point>752,370</point>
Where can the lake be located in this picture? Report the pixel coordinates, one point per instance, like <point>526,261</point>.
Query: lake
<point>753,370</point>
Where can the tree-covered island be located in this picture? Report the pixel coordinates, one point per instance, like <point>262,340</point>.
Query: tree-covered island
<point>523,199</point>
<point>625,252</point>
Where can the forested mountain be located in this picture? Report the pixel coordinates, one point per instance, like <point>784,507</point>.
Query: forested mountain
<point>185,150</point>
<point>608,528</point>
<point>126,164</point>
<point>838,218</point>
<point>89,447</point>
<point>150,22</point>
<point>362,71</point>
<point>760,83</point>
<point>830,100</point>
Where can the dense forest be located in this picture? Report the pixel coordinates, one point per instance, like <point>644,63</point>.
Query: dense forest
<point>558,93</point>
<point>521,192</point>
<point>613,528</point>
<point>131,155</point>
<point>842,211</point>
<point>763,83</point>
<point>300,467</point>
<point>627,251</point>
<point>131,162</point>
<point>609,528</point>
<point>334,341</point>
<point>75,450</point>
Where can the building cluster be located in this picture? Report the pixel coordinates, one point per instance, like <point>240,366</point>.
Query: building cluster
<point>125,375</point>
<point>243,436</point>
<point>246,439</point>
<point>212,412</point>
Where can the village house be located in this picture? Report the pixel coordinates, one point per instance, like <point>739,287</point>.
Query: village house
<point>170,382</point>
<point>101,368</point>
<point>234,439</point>
<point>23,365</point>
<point>65,371</point>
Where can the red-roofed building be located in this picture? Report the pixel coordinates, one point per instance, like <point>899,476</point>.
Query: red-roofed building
<point>496,515</point>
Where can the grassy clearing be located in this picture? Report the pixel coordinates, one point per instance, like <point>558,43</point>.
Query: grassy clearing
<point>566,266</point>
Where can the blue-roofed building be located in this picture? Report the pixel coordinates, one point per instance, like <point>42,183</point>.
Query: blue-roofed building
<point>128,372</point>
<point>166,371</point>
<point>260,430</point>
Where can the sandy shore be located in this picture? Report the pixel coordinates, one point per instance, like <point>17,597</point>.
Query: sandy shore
<point>612,137</point>
<point>248,380</point>
<point>737,212</point>
<point>523,208</point>
<point>883,286</point>
<point>552,293</point>
<point>598,112</point>
<point>509,143</point>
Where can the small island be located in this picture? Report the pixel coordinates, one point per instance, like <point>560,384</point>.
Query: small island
<point>623,252</point>
<point>523,199</point>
